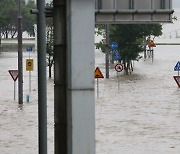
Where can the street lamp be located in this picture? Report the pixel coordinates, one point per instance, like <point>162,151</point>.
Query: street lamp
<point>20,63</point>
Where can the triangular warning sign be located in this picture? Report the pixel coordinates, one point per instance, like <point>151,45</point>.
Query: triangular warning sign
<point>97,73</point>
<point>177,67</point>
<point>177,79</point>
<point>152,44</point>
<point>14,74</point>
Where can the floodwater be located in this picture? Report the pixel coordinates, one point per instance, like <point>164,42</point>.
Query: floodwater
<point>19,128</point>
<point>142,117</point>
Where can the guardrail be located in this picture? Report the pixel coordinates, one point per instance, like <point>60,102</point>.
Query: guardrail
<point>14,47</point>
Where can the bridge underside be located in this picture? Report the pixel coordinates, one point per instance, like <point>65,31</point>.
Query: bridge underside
<point>133,16</point>
<point>133,11</point>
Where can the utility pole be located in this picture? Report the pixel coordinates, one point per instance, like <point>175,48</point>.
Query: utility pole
<point>42,84</point>
<point>107,51</point>
<point>20,56</point>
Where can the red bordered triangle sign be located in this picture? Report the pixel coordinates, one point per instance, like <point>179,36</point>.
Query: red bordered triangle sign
<point>177,79</point>
<point>97,73</point>
<point>14,74</point>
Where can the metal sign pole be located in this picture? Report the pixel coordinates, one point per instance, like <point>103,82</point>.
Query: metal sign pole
<point>14,90</point>
<point>29,82</point>
<point>97,88</point>
<point>118,68</point>
<point>29,78</point>
<point>118,80</point>
<point>107,51</point>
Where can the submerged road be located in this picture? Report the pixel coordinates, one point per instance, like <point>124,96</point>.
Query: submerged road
<point>143,116</point>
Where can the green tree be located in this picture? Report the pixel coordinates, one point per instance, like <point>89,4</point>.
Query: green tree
<point>6,7</point>
<point>9,14</point>
<point>130,39</point>
<point>28,19</point>
<point>50,40</point>
<point>50,48</point>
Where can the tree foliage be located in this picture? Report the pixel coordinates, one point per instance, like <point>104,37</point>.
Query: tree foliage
<point>28,19</point>
<point>9,15</point>
<point>130,39</point>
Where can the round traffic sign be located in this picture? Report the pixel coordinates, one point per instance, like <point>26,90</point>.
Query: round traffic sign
<point>119,67</point>
<point>29,63</point>
<point>114,45</point>
<point>116,56</point>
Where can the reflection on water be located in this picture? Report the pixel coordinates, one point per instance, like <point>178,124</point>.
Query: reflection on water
<point>20,107</point>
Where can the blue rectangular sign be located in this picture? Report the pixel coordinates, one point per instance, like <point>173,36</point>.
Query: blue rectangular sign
<point>29,48</point>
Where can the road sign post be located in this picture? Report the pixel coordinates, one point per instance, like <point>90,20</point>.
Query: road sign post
<point>29,67</point>
<point>14,75</point>
<point>177,67</point>
<point>118,68</point>
<point>97,75</point>
<point>177,79</point>
<point>107,51</point>
<point>29,64</point>
<point>116,56</point>
<point>14,90</point>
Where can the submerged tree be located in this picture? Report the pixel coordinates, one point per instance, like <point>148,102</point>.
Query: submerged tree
<point>50,48</point>
<point>130,39</point>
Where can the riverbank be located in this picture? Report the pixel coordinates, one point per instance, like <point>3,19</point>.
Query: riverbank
<point>11,45</point>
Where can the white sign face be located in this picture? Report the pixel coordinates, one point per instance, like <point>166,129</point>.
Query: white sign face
<point>14,74</point>
<point>177,79</point>
<point>119,67</point>
<point>133,11</point>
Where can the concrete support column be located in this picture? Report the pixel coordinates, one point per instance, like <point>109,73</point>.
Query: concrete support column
<point>74,76</point>
<point>80,77</point>
<point>60,71</point>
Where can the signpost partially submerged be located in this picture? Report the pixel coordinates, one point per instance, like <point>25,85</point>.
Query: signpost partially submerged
<point>14,75</point>
<point>29,67</point>
<point>177,78</point>
<point>118,67</point>
<point>97,75</point>
<point>177,67</point>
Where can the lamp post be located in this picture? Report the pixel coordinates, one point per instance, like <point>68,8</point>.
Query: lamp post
<point>20,63</point>
<point>42,84</point>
